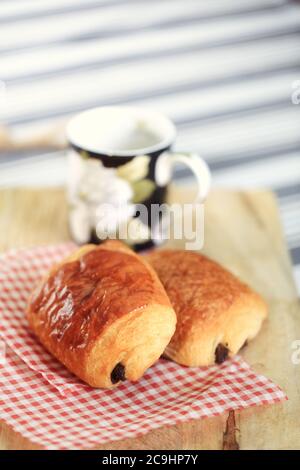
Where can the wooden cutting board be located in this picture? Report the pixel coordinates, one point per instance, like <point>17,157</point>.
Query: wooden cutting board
<point>242,231</point>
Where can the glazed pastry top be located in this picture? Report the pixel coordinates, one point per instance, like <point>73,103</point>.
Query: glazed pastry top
<point>198,287</point>
<point>81,297</point>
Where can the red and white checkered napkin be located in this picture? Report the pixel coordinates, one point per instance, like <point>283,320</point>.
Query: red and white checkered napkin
<point>41,400</point>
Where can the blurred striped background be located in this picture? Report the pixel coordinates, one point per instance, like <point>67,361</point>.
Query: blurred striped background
<point>223,70</point>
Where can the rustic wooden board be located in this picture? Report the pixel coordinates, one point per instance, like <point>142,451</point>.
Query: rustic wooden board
<point>242,231</point>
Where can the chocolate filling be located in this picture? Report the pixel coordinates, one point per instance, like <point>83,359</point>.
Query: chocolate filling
<point>118,373</point>
<point>221,353</point>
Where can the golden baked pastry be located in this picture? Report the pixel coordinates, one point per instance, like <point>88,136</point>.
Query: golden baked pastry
<point>103,313</point>
<point>216,313</point>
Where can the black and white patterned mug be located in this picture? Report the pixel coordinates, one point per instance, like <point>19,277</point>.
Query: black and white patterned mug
<point>120,159</point>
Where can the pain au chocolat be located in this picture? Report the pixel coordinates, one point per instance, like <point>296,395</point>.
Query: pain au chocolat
<point>216,313</point>
<point>103,313</point>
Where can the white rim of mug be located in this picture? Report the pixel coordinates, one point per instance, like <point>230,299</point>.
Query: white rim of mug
<point>161,145</point>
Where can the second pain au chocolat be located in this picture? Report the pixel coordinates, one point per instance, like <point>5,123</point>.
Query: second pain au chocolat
<point>103,313</point>
<point>216,313</point>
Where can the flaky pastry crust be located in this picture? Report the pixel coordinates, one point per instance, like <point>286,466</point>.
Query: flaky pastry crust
<point>216,313</point>
<point>103,313</point>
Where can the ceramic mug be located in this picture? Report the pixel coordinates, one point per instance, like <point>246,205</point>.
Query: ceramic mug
<point>121,158</point>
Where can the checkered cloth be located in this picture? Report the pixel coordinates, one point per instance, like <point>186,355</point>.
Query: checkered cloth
<point>41,400</point>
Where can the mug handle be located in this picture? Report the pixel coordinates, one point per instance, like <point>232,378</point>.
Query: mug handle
<point>163,171</point>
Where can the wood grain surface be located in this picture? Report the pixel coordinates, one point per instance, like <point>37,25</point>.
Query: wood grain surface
<point>242,231</point>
